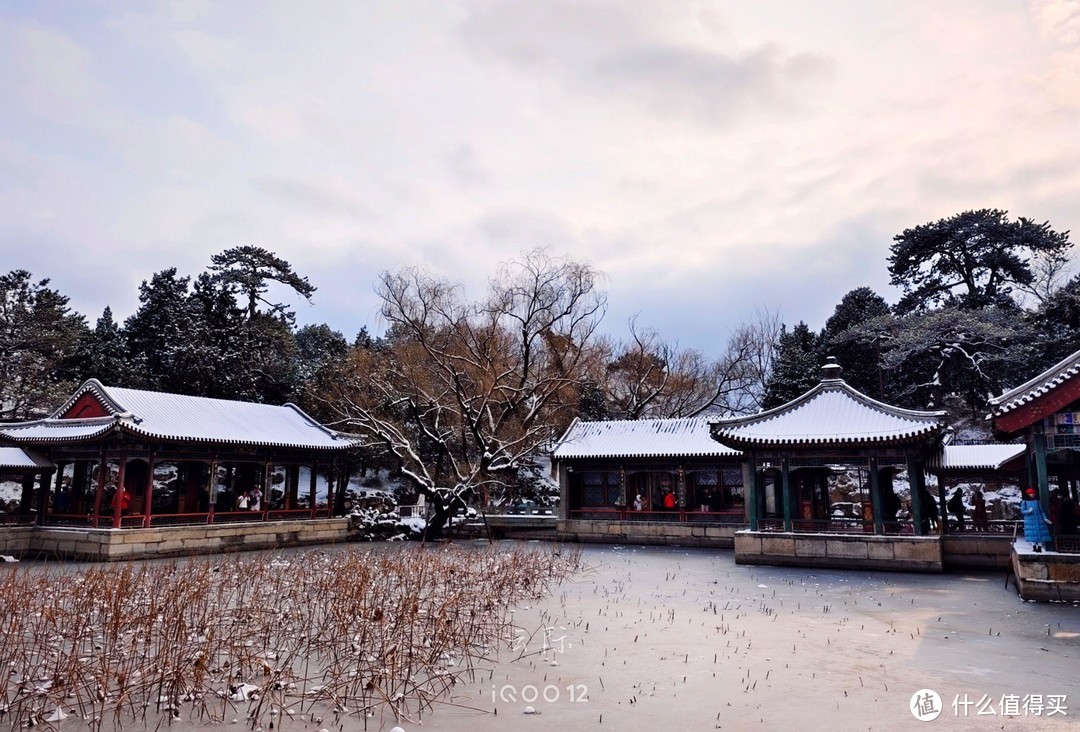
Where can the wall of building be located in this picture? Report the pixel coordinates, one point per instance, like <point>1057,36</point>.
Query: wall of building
<point>977,551</point>
<point>645,532</point>
<point>111,545</point>
<point>840,551</point>
<point>1046,576</point>
<point>15,540</point>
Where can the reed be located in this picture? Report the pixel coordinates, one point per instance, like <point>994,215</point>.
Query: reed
<point>300,637</point>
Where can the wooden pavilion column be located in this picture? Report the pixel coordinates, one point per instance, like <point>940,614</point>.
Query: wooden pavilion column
<point>148,498</point>
<point>875,496</point>
<point>118,510</point>
<point>1038,437</point>
<point>917,483</point>
<point>752,490</point>
<point>103,467</point>
<point>211,488</point>
<point>268,474</point>
<point>77,502</point>
<point>331,487</point>
<point>785,491</point>
<point>313,486</point>
<point>43,495</point>
<point>60,486</point>
<point>292,479</point>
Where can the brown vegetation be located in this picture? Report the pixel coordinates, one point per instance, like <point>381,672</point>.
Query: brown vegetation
<point>298,637</point>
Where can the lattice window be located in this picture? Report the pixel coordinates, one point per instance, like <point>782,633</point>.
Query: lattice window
<point>707,477</point>
<point>593,495</point>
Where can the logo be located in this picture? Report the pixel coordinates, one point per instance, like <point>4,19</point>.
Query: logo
<point>925,705</point>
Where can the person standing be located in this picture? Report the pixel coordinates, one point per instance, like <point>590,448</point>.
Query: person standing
<point>956,508</point>
<point>980,521</point>
<point>1036,525</point>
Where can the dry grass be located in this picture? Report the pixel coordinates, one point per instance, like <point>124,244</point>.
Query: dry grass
<point>266,640</point>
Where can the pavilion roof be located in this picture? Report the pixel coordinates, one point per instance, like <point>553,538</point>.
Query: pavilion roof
<point>687,437</point>
<point>1042,385</point>
<point>18,458</point>
<point>176,417</point>
<point>830,414</point>
<point>976,457</point>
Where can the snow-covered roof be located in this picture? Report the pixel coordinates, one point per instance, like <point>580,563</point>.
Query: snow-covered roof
<point>16,457</point>
<point>831,413</point>
<point>687,437</point>
<point>158,415</point>
<point>975,457</point>
<point>1044,383</point>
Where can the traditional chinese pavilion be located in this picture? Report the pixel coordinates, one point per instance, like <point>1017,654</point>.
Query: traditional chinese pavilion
<point>648,481</point>
<point>793,448</point>
<point>120,458</point>
<point>1045,413</point>
<point>833,429</point>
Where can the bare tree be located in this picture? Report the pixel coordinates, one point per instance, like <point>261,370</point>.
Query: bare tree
<point>1049,271</point>
<point>464,391</point>
<point>649,376</point>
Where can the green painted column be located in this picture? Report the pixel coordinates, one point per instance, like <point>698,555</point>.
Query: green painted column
<point>915,480</point>
<point>785,492</point>
<point>875,496</point>
<point>1038,436</point>
<point>753,488</point>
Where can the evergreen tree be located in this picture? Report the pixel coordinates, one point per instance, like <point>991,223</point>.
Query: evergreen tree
<point>103,354</point>
<point>273,356</point>
<point>1055,327</point>
<point>39,339</point>
<point>971,260</point>
<point>796,366</point>
<point>216,360</point>
<point>160,334</point>
<point>249,270</point>
<point>860,358</point>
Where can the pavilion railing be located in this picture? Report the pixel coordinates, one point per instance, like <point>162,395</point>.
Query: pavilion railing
<point>605,513</point>
<point>134,520</point>
<point>17,519</point>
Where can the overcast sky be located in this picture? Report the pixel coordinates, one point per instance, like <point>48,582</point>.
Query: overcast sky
<point>711,158</point>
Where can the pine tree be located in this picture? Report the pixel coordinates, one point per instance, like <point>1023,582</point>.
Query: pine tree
<point>159,334</point>
<point>860,358</point>
<point>39,339</point>
<point>248,270</point>
<point>102,353</point>
<point>796,366</point>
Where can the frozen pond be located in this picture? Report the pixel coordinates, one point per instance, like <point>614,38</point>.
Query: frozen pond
<point>658,638</point>
<point>665,638</point>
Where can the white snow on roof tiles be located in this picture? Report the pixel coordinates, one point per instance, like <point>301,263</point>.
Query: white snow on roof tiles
<point>16,457</point>
<point>1047,381</point>
<point>641,438</point>
<point>832,412</point>
<point>179,417</point>
<point>973,457</point>
<point>49,430</point>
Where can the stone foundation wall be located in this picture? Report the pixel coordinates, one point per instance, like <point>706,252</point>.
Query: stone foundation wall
<point>977,551</point>
<point>648,532</point>
<point>15,540</point>
<point>1046,576</point>
<point>112,544</point>
<point>840,551</point>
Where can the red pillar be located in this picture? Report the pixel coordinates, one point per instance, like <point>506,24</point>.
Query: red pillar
<point>103,467</point>
<point>148,503</point>
<point>117,502</point>
<point>314,485</point>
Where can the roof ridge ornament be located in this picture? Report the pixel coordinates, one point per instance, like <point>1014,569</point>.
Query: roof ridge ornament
<point>832,371</point>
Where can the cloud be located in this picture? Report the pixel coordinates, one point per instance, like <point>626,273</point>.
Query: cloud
<point>695,69</point>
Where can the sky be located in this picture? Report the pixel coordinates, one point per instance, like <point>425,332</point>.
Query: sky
<point>711,159</point>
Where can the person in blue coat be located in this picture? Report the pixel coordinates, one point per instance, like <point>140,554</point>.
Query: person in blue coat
<point>1036,525</point>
